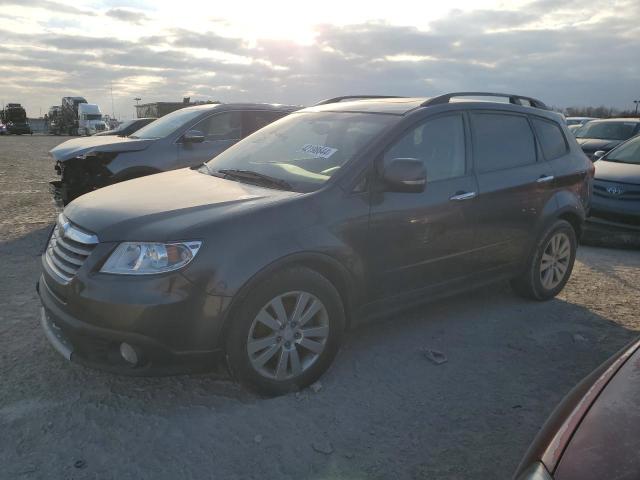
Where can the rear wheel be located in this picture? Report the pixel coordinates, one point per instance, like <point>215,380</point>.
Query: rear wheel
<point>286,333</point>
<point>551,263</point>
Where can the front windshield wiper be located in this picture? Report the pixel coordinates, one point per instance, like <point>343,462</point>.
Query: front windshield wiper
<point>259,178</point>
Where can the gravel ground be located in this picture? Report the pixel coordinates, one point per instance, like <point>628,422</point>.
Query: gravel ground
<point>382,411</point>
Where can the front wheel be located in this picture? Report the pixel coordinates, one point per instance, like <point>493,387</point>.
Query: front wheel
<point>549,268</point>
<point>286,333</point>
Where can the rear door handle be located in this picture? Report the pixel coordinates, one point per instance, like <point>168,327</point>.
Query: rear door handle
<point>458,196</point>
<point>545,178</point>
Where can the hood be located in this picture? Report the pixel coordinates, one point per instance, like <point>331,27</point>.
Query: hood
<point>595,144</point>
<point>606,443</point>
<point>617,172</point>
<point>166,206</point>
<point>82,146</point>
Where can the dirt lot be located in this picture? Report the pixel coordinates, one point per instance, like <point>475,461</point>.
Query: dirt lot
<point>383,410</point>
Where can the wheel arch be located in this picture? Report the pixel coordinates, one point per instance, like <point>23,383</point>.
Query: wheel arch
<point>329,267</point>
<point>574,219</point>
<point>564,205</point>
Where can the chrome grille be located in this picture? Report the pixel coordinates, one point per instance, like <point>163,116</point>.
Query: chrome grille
<point>68,248</point>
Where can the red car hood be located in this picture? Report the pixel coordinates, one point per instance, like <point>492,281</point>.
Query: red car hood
<point>607,442</point>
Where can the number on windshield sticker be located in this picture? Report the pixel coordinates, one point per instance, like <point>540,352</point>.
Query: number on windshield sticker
<point>319,151</point>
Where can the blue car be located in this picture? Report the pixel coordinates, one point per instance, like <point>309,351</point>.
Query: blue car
<point>184,138</point>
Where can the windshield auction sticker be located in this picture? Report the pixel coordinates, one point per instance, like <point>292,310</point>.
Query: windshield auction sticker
<point>319,151</point>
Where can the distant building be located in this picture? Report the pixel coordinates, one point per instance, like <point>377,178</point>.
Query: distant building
<point>159,109</point>
<point>38,125</point>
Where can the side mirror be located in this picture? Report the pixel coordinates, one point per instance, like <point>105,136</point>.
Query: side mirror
<point>407,175</point>
<point>598,155</point>
<point>193,136</point>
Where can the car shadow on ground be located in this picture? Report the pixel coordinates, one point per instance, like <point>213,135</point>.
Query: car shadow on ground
<point>598,237</point>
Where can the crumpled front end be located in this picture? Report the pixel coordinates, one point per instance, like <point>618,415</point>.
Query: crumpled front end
<point>80,175</point>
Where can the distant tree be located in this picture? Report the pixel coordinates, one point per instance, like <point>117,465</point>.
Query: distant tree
<point>598,112</point>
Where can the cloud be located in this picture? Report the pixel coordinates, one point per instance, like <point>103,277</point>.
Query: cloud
<point>589,61</point>
<point>207,40</point>
<point>127,15</point>
<point>47,5</point>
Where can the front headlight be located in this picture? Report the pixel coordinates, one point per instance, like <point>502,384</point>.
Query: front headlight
<point>143,258</point>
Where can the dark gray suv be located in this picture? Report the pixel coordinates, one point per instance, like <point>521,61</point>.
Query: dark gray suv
<point>322,219</point>
<point>184,138</point>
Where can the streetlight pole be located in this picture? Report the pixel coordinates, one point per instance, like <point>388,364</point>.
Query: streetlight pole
<point>137,99</point>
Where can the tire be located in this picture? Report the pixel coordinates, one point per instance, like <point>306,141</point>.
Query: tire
<point>322,311</point>
<point>538,284</point>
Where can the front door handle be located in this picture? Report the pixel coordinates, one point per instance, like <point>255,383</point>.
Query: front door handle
<point>458,196</point>
<point>545,178</point>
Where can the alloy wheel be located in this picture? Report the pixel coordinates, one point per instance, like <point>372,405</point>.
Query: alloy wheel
<point>288,335</point>
<point>554,263</point>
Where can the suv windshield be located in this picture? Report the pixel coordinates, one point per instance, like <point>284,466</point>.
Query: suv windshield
<point>607,130</point>
<point>302,150</point>
<point>628,152</point>
<point>168,124</point>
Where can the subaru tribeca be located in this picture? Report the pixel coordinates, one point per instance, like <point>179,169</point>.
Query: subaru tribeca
<point>266,253</point>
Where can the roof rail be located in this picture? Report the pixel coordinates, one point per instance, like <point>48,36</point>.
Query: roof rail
<point>514,99</point>
<point>353,97</point>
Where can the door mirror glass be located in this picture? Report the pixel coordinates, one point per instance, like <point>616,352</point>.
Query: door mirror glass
<point>193,136</point>
<point>599,154</point>
<point>405,175</point>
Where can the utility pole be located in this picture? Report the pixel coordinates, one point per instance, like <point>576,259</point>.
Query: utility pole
<point>113,114</point>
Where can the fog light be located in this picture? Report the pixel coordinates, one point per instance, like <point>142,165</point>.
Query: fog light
<point>128,353</point>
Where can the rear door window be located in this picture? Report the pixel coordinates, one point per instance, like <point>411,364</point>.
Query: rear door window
<point>502,141</point>
<point>551,138</point>
<point>255,120</point>
<point>221,126</point>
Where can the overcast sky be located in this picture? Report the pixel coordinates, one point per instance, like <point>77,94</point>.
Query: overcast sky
<point>566,52</point>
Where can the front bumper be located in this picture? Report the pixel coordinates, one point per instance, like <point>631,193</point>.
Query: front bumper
<point>171,334</point>
<point>614,214</point>
<point>607,224</point>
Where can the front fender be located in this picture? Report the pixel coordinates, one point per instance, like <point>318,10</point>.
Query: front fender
<point>246,248</point>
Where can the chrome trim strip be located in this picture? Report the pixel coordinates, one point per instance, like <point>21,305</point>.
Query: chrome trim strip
<point>62,266</point>
<point>67,258</point>
<point>75,233</point>
<point>72,248</point>
<point>54,269</point>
